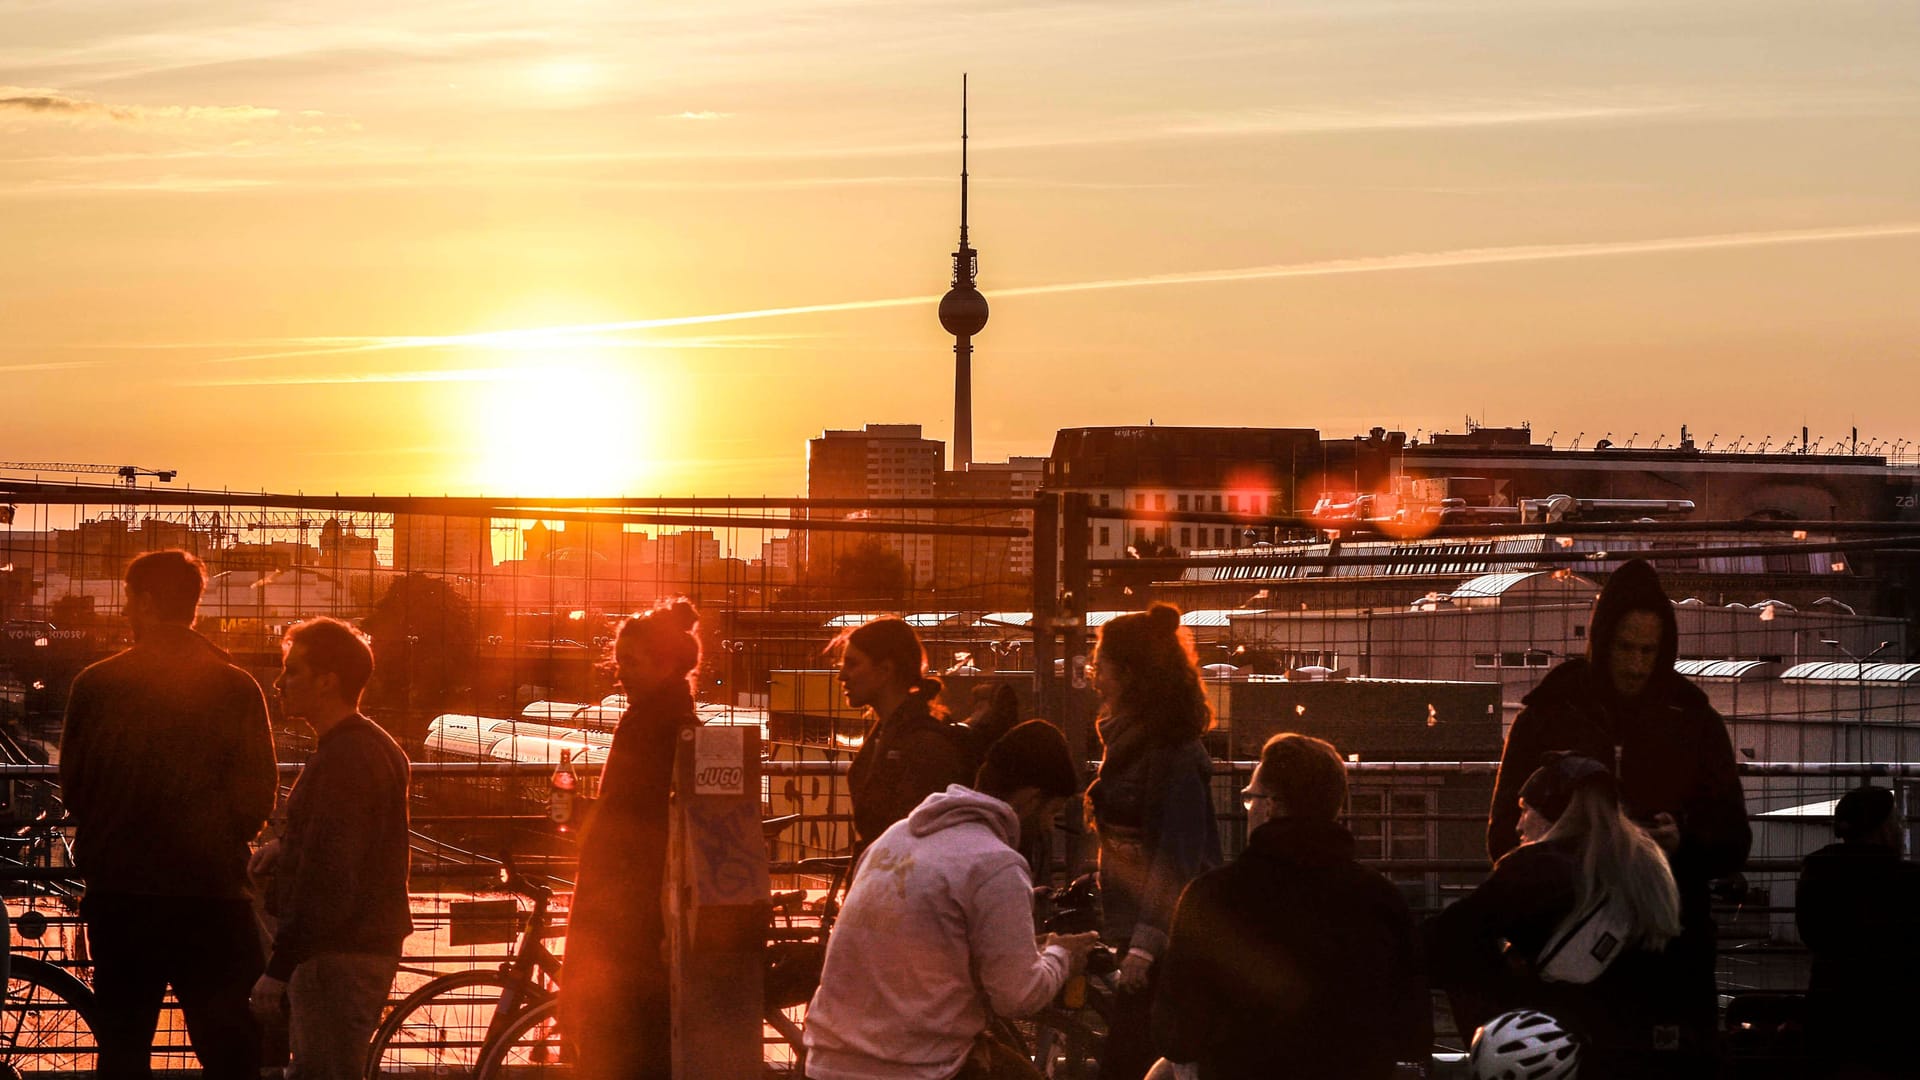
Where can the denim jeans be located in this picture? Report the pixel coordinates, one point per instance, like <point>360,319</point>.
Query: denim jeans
<point>334,1002</point>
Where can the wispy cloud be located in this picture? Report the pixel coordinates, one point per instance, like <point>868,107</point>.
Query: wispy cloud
<point>703,114</point>
<point>1376,264</point>
<point>54,105</point>
<point>454,375</point>
<point>54,365</point>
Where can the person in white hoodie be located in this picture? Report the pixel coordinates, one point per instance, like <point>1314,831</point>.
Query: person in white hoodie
<point>937,933</point>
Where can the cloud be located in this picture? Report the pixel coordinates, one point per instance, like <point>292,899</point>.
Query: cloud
<point>56,105</point>
<point>1373,264</point>
<point>703,114</point>
<point>55,365</point>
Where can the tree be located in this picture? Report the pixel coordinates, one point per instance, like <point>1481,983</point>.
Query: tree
<point>423,650</point>
<point>871,571</point>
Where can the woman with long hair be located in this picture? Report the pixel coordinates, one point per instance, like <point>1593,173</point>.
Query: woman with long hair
<point>614,1005</point>
<point>911,748</point>
<point>1151,806</point>
<point>1571,923</point>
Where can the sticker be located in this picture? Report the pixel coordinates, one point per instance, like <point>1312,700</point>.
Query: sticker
<point>719,761</point>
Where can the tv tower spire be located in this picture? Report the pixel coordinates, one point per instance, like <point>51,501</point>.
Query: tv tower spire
<point>963,312</point>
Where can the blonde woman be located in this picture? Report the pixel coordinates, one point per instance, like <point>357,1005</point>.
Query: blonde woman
<point>1575,923</point>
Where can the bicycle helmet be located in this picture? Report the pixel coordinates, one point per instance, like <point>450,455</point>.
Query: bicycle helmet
<point>1524,1045</point>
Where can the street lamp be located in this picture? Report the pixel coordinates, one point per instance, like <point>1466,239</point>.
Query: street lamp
<point>1860,679</point>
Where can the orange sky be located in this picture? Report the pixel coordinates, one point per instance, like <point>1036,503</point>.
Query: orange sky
<point>271,244</point>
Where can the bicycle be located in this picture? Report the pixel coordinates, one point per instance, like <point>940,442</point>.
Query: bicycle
<point>444,1025</point>
<point>49,1017</point>
<point>1065,1040</point>
<point>531,1041</point>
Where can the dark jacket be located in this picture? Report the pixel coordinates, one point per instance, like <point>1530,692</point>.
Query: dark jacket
<point>1294,961</point>
<point>341,883</point>
<point>1154,814</point>
<point>1858,910</point>
<point>616,1000</point>
<point>1529,893</point>
<point>166,764</point>
<point>904,758</point>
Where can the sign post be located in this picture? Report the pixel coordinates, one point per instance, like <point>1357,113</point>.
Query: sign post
<point>717,904</point>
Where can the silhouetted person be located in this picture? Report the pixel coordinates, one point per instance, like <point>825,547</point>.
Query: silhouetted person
<point>937,933</point>
<point>1858,910</point>
<point>1151,807</point>
<point>166,764</point>
<point>911,749</point>
<point>615,1001</point>
<point>337,876</point>
<point>1626,707</point>
<point>1295,960</point>
<point>1571,923</point>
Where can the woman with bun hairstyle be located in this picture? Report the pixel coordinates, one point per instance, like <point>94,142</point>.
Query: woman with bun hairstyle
<point>614,1005</point>
<point>1151,806</point>
<point>911,748</point>
<point>1573,923</point>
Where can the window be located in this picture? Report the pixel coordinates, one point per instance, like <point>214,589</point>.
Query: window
<point>1786,564</point>
<point>1140,501</point>
<point>1579,631</point>
<point>1233,503</point>
<point>1485,660</point>
<point>1160,535</point>
<point>1219,538</point>
<point>1139,537</point>
<point>1186,537</point>
<point>1181,502</point>
<point>1160,502</point>
<point>1216,504</point>
<point>1105,500</point>
<point>1512,659</point>
<point>1537,658</point>
<point>1106,535</point>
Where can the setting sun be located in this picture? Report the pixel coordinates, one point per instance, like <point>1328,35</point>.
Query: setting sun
<point>564,421</point>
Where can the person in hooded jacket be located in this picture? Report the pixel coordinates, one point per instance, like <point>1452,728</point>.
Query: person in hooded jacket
<point>1855,909</point>
<point>1295,960</point>
<point>1152,808</point>
<point>911,748</point>
<point>937,935</point>
<point>1625,706</point>
<point>615,999</point>
<point>1571,923</point>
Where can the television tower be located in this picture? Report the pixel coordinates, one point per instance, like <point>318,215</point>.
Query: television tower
<point>963,312</point>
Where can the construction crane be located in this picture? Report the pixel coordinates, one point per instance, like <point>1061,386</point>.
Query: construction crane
<point>131,474</point>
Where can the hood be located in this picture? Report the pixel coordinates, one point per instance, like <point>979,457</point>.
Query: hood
<point>964,806</point>
<point>1633,587</point>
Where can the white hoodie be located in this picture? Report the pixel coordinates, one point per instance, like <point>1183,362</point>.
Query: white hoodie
<point>937,930</point>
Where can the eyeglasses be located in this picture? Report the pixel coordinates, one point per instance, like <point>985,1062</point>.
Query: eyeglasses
<point>1248,798</point>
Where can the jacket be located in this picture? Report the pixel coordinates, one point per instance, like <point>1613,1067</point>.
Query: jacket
<point>1522,902</point>
<point>1154,813</point>
<point>1667,748</point>
<point>904,758</point>
<point>1856,909</point>
<point>936,932</point>
<point>341,883</point>
<point>166,764</point>
<point>1294,961</point>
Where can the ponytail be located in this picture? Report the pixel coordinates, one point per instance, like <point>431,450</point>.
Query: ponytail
<point>1620,857</point>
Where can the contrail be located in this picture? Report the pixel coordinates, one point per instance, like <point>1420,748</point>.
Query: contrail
<point>1375,264</point>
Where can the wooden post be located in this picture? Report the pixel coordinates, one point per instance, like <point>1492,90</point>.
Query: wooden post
<point>717,897</point>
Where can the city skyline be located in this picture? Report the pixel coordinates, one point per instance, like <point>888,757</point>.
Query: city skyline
<point>466,248</point>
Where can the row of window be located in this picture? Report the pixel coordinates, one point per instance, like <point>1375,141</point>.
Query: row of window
<point>1206,503</point>
<point>1190,536</point>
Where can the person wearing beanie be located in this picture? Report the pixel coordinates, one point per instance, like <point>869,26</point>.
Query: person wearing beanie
<point>1624,706</point>
<point>1573,923</point>
<point>1855,910</point>
<point>936,936</point>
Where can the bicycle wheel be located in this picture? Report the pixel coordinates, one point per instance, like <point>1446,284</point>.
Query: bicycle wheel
<point>47,1028</point>
<point>780,1046</point>
<point>1065,1045</point>
<point>527,1048</point>
<point>442,1027</point>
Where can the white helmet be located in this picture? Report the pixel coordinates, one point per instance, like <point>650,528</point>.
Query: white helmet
<point>1524,1045</point>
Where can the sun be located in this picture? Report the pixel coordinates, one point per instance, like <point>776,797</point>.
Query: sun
<point>564,420</point>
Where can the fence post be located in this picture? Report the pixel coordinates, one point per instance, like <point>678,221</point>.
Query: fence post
<point>717,897</point>
<point>1076,588</point>
<point>1046,586</point>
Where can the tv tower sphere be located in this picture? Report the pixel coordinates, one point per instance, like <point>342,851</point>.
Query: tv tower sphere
<point>963,311</point>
